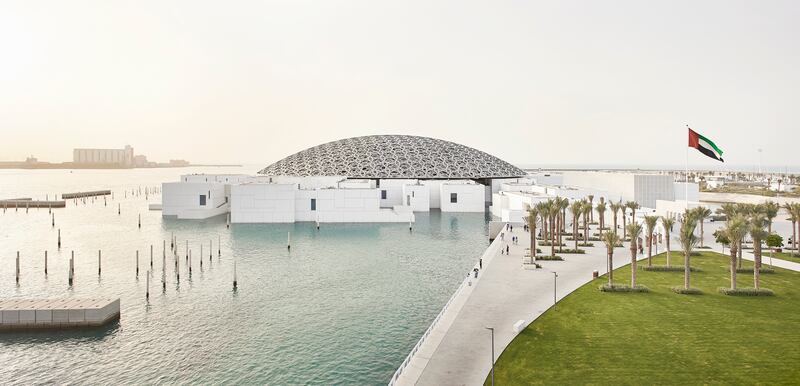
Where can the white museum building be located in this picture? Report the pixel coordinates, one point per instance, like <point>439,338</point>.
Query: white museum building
<point>381,178</point>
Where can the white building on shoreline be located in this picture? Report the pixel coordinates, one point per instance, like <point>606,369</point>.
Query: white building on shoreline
<point>384,178</point>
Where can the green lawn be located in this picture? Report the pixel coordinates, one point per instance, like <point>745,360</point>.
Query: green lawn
<point>662,337</point>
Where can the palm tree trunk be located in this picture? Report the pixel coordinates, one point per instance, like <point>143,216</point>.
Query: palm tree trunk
<point>558,231</point>
<point>686,270</point>
<point>533,241</point>
<point>624,227</point>
<point>552,237</point>
<point>615,223</point>
<point>668,250</point>
<point>757,265</point>
<point>610,266</point>
<point>794,239</point>
<point>741,244</point>
<point>733,266</point>
<point>575,231</point>
<point>585,229</point>
<point>633,263</point>
<point>650,250</point>
<point>701,232</point>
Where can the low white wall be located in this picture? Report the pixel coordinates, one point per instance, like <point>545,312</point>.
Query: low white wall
<point>263,203</point>
<point>182,199</point>
<point>470,197</point>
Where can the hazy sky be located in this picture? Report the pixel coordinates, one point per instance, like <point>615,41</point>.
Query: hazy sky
<point>536,83</point>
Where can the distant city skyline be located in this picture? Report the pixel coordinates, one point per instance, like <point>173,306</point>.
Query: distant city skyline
<point>535,83</point>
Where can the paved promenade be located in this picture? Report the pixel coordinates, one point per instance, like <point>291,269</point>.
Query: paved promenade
<point>459,349</point>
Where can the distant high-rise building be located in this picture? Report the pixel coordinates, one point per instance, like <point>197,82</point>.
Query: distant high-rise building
<point>120,157</point>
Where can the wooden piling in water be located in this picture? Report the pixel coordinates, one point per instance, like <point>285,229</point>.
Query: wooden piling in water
<point>137,263</point>
<point>99,263</point>
<point>59,238</point>
<point>289,241</point>
<point>151,256</point>
<point>45,262</point>
<point>219,246</point>
<point>119,209</point>
<point>210,249</point>
<point>235,282</point>
<point>147,294</point>
<point>140,221</point>
<point>71,269</point>
<point>17,271</point>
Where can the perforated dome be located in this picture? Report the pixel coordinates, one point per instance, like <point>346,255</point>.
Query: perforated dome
<point>393,156</point>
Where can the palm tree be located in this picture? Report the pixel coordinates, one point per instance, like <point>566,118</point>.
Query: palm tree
<point>587,211</point>
<point>757,232</point>
<point>667,222</point>
<point>591,200</point>
<point>576,208</point>
<point>601,214</point>
<point>544,209</point>
<point>634,230</point>
<point>533,214</point>
<point>701,213</point>
<point>728,209</point>
<point>688,243</point>
<point>650,223</point>
<point>735,230</point>
<point>614,209</point>
<point>632,205</point>
<point>771,209</point>
<point>611,240</point>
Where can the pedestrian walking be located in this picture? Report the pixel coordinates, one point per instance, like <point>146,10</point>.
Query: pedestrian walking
<point>506,249</point>
<point>480,263</point>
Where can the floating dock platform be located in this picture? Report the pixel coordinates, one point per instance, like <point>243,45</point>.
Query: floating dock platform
<point>28,203</point>
<point>25,314</point>
<point>69,196</point>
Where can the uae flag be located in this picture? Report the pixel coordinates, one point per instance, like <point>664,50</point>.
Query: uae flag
<point>705,145</point>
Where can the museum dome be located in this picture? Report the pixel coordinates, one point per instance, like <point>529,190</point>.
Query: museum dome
<point>393,156</point>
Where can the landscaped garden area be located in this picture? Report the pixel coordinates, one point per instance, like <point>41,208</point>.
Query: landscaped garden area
<point>661,337</point>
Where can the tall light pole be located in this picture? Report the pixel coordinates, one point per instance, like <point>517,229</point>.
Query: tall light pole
<point>555,278</point>
<point>492,330</point>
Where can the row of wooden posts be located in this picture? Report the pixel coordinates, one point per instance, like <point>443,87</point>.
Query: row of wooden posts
<point>173,249</point>
<point>147,192</point>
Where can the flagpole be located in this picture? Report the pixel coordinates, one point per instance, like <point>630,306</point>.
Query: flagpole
<point>686,181</point>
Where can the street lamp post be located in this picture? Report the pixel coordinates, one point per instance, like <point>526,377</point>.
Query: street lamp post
<point>492,330</point>
<point>555,279</point>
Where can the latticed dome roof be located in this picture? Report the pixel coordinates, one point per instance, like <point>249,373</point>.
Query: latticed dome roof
<point>393,156</point>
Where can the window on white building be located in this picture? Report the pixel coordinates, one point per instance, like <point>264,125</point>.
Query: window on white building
<point>313,204</point>
<point>453,198</point>
<point>383,194</point>
<point>202,200</point>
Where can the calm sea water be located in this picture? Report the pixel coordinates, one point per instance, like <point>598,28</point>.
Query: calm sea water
<point>343,307</point>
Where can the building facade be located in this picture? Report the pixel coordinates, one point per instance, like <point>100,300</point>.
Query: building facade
<point>118,157</point>
<point>382,178</point>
